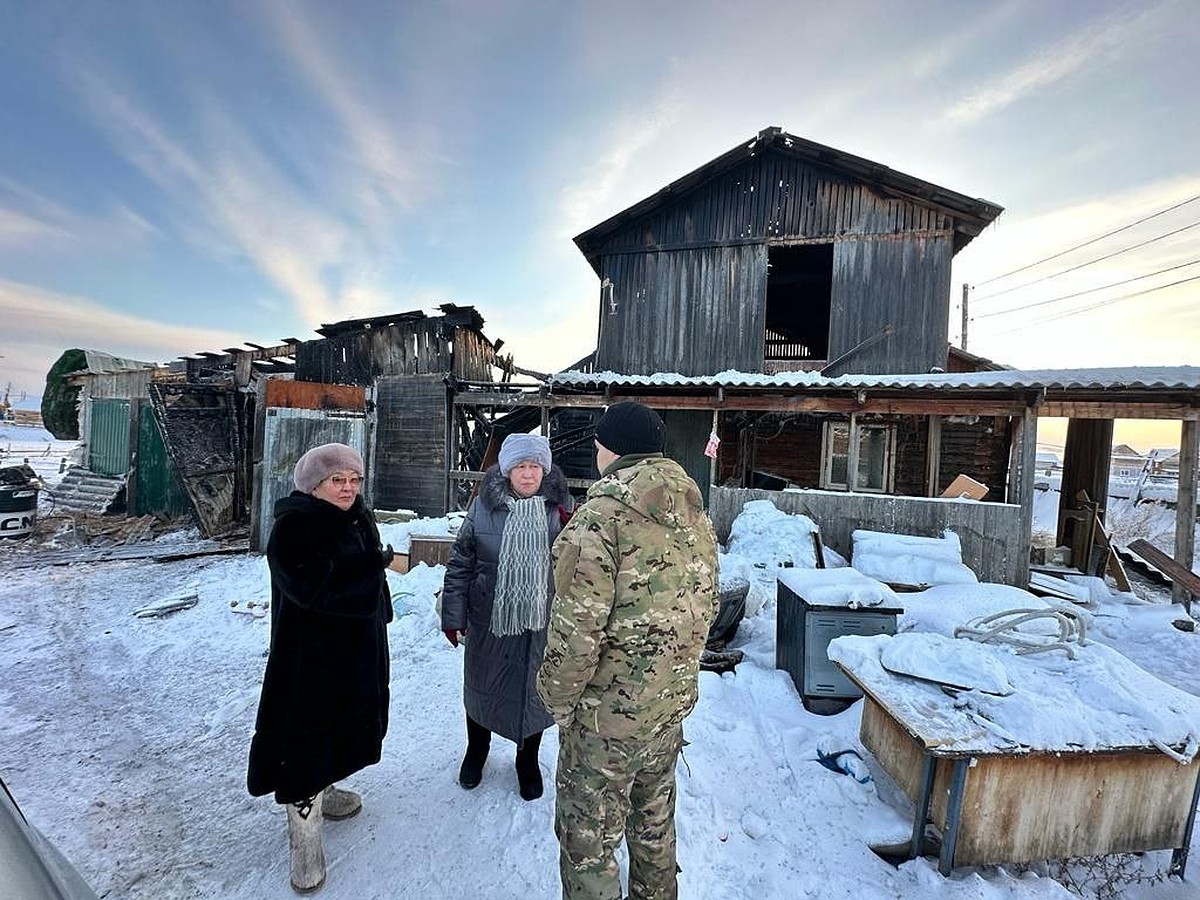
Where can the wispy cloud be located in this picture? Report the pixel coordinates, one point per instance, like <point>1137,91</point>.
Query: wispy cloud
<point>1079,52</point>
<point>30,219</point>
<point>18,229</point>
<point>388,168</point>
<point>225,190</point>
<point>604,187</point>
<point>40,324</point>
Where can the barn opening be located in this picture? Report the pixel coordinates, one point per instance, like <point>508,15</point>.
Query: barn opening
<point>799,296</point>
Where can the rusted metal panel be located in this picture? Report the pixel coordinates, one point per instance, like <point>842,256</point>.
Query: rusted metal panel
<point>199,425</point>
<point>289,394</point>
<point>410,444</point>
<point>288,434</point>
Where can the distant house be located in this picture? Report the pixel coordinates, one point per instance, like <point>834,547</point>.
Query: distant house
<point>1164,461</point>
<point>1125,463</point>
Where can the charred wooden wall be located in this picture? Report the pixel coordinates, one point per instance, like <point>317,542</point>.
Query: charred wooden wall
<point>410,444</point>
<point>901,285</point>
<point>689,280</point>
<point>979,449</point>
<point>789,447</point>
<point>689,311</point>
<point>417,347</point>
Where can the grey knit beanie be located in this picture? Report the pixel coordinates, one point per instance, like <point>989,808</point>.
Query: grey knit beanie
<point>519,447</point>
<point>320,462</point>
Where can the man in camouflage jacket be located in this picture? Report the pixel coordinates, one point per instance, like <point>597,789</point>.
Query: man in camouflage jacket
<point>635,576</point>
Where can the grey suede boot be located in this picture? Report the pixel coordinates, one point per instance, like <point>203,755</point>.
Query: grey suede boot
<point>338,804</point>
<point>304,841</point>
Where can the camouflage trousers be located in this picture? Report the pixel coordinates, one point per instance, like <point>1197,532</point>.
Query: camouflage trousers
<point>609,789</point>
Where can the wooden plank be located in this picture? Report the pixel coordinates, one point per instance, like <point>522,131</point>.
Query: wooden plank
<point>1113,566</point>
<point>1116,409</point>
<point>845,405</point>
<point>1185,578</point>
<point>1185,504</point>
<point>1018,809</point>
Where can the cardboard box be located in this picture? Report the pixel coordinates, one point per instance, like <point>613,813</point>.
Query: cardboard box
<point>966,487</point>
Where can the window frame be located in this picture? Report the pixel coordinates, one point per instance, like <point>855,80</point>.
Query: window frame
<point>854,442</point>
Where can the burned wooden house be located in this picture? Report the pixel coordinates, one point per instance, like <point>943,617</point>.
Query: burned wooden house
<point>218,434</point>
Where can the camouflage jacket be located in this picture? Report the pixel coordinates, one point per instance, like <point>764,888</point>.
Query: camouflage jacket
<point>635,578</point>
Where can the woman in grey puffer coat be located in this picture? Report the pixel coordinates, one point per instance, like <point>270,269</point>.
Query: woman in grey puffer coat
<point>497,594</point>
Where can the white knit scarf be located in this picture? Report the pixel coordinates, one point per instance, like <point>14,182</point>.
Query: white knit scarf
<point>523,571</point>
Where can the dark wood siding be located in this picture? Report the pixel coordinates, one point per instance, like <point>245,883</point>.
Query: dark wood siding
<point>695,312</point>
<point>689,281</point>
<point>773,197</point>
<point>978,449</point>
<point>410,444</point>
<point>416,348</point>
<point>899,282</point>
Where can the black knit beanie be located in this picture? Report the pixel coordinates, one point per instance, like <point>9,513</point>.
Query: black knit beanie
<point>629,427</point>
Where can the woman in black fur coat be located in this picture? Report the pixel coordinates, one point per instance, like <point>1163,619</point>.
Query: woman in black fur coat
<point>323,711</point>
<point>497,594</point>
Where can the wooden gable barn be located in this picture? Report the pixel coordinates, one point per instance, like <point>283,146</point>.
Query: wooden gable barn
<point>781,254</point>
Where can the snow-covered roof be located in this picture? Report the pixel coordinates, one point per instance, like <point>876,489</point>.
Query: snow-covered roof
<point>1131,377</point>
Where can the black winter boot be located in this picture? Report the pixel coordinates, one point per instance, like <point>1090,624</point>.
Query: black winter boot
<point>529,773</point>
<point>479,740</point>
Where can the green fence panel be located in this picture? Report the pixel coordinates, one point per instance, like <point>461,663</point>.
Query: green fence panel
<point>159,490</point>
<point>108,442</point>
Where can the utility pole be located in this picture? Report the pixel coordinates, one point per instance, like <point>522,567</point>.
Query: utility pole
<point>966,288</point>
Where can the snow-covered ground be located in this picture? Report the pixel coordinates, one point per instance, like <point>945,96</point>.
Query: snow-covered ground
<point>124,739</point>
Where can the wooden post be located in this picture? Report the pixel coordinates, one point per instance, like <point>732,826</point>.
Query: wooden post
<point>966,292</point>
<point>712,463</point>
<point>1086,460</point>
<point>1185,501</point>
<point>933,456</point>
<point>1024,463</point>
<point>852,455</point>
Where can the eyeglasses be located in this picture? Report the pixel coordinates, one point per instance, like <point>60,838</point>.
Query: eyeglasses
<point>341,481</point>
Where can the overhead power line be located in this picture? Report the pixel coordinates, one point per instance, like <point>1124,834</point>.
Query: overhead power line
<point>1091,241</point>
<point>1104,287</point>
<point>1088,263</point>
<point>1091,306</point>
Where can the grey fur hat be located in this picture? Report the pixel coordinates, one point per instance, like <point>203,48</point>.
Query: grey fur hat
<point>520,447</point>
<point>320,462</point>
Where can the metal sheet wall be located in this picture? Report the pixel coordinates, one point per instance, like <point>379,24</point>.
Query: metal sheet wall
<point>158,490</point>
<point>693,311</point>
<point>289,434</point>
<point>108,436</point>
<point>410,444</point>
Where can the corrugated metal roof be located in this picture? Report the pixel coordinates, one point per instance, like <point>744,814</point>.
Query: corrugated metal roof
<point>1120,378</point>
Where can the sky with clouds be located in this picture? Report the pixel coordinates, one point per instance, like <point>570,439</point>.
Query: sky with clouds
<point>187,176</point>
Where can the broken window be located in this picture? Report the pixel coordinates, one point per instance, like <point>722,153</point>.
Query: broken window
<point>799,296</point>
<point>864,448</point>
